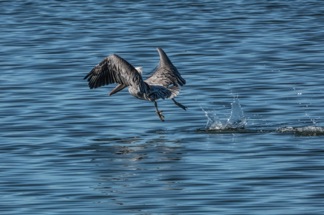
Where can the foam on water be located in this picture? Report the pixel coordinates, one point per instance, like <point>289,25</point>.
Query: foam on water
<point>303,131</point>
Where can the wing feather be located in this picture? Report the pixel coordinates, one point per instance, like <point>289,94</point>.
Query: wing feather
<point>165,74</point>
<point>114,69</point>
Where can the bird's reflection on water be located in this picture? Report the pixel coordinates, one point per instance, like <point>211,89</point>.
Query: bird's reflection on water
<point>121,164</point>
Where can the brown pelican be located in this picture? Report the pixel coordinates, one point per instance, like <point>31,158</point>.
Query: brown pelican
<point>165,82</point>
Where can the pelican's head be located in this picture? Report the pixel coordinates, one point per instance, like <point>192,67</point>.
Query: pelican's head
<point>139,69</point>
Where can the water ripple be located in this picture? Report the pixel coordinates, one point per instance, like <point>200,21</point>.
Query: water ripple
<point>66,149</point>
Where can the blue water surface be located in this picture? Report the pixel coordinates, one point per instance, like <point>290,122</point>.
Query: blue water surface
<point>66,149</point>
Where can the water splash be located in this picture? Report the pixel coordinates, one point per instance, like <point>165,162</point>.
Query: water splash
<point>235,121</point>
<point>237,118</point>
<point>305,106</point>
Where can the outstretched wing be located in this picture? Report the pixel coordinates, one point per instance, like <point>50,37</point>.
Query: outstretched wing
<point>114,69</point>
<point>165,74</point>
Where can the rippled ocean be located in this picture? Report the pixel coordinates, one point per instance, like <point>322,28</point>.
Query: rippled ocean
<point>251,141</point>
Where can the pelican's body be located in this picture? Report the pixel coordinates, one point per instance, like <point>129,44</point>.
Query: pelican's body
<point>165,82</point>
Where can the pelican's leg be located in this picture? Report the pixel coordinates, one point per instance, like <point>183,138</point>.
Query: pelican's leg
<point>159,113</point>
<point>180,105</point>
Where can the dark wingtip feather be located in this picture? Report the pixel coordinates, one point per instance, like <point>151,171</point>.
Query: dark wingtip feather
<point>85,77</point>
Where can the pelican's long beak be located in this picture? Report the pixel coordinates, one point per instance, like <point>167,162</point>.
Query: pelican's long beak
<point>118,88</point>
